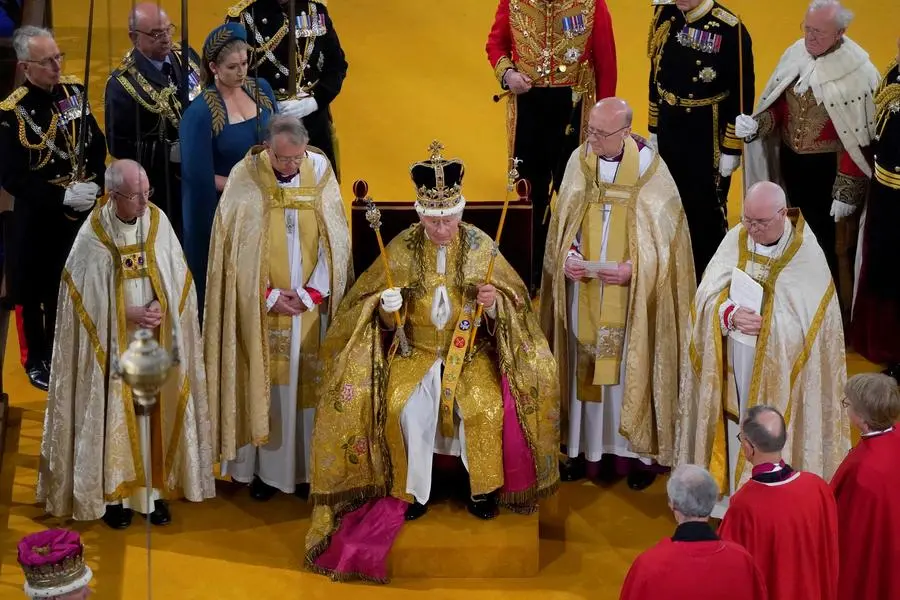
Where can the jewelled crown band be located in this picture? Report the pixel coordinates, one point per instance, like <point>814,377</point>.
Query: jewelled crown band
<point>53,563</point>
<point>438,183</point>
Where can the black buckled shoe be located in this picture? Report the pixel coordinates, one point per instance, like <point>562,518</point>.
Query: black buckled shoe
<point>571,469</point>
<point>117,516</point>
<point>415,511</point>
<point>261,491</point>
<point>160,514</point>
<point>39,378</point>
<point>640,479</point>
<point>483,506</point>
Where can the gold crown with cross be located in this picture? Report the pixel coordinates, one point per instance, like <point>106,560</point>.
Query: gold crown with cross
<point>438,183</point>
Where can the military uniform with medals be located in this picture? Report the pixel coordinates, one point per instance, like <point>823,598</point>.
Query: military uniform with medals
<point>568,50</point>
<point>694,101</point>
<point>144,105</point>
<point>39,142</point>
<point>321,65</point>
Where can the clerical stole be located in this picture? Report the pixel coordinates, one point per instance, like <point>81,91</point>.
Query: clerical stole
<point>602,309</point>
<point>280,327</point>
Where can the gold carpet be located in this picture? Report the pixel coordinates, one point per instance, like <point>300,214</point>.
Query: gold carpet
<point>417,72</point>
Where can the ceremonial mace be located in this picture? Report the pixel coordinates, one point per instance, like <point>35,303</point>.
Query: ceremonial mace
<point>559,70</point>
<point>523,189</point>
<point>373,216</point>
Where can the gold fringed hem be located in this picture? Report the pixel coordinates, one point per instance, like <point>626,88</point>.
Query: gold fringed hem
<point>360,494</point>
<point>526,502</point>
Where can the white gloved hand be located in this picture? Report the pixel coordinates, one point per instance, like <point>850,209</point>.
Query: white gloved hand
<point>728,163</point>
<point>81,196</point>
<point>298,108</point>
<point>841,210</point>
<point>175,152</point>
<point>745,126</point>
<point>391,300</point>
<point>654,142</point>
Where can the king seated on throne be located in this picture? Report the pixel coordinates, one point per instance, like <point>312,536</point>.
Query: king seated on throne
<point>396,396</point>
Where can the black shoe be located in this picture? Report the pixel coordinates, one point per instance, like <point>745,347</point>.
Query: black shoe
<point>640,479</point>
<point>607,474</point>
<point>160,514</point>
<point>302,491</point>
<point>483,506</point>
<point>415,511</point>
<point>39,378</point>
<point>117,516</point>
<point>261,491</point>
<point>571,469</point>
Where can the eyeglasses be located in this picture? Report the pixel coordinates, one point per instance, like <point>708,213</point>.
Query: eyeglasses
<point>589,132</point>
<point>742,438</point>
<point>147,195</point>
<point>286,160</point>
<point>158,34</point>
<point>760,223</point>
<point>845,402</point>
<point>49,61</point>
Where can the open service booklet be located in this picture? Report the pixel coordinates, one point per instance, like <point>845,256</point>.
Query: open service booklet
<point>746,293</point>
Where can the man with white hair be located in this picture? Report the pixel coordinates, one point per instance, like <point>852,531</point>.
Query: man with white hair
<point>126,272</point>
<point>694,564</point>
<point>280,228</point>
<point>481,389</point>
<point>54,184</point>
<point>617,332</point>
<point>811,131</point>
<point>786,519</point>
<point>769,294</point>
<point>144,102</point>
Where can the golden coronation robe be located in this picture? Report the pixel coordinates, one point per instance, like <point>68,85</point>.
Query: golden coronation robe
<point>264,368</point>
<point>91,454</point>
<point>359,447</point>
<point>643,335</point>
<point>797,364</point>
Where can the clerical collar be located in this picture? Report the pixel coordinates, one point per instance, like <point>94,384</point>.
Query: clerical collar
<point>772,472</point>
<point>694,531</point>
<point>773,244</point>
<point>877,433</point>
<point>284,178</point>
<point>124,222</point>
<point>699,12</point>
<point>616,158</point>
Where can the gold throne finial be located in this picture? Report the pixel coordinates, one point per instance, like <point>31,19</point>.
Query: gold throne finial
<point>435,149</point>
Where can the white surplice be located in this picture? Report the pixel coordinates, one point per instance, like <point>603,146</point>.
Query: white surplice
<point>283,463</point>
<point>594,426</point>
<point>138,292</point>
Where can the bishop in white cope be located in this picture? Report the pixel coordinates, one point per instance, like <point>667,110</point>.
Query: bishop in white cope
<point>765,329</point>
<point>619,280</point>
<point>280,228</point>
<point>126,271</point>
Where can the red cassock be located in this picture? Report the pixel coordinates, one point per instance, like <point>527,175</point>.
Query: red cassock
<point>708,570</point>
<point>539,36</point>
<point>867,490</point>
<point>790,528</point>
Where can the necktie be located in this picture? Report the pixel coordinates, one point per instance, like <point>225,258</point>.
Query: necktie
<point>169,72</point>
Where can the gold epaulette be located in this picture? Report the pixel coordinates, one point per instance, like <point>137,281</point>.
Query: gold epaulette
<point>70,80</point>
<point>725,16</point>
<point>13,99</point>
<point>235,11</point>
<point>124,64</point>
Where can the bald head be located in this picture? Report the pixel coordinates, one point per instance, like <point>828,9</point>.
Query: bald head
<point>150,30</point>
<point>765,429</point>
<point>614,110</point>
<point>767,196</point>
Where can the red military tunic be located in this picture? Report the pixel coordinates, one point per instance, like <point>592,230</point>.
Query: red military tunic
<point>694,565</point>
<point>537,36</point>
<point>867,490</point>
<point>788,522</point>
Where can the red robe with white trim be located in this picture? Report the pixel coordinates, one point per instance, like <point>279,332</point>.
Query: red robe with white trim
<point>694,570</point>
<point>867,489</point>
<point>790,528</point>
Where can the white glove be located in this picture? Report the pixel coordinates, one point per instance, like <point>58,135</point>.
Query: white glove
<point>81,196</point>
<point>745,126</point>
<point>391,300</point>
<point>298,108</point>
<point>175,152</point>
<point>728,163</point>
<point>654,142</point>
<point>841,210</point>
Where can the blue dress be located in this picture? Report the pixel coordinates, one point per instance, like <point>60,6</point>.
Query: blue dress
<point>211,146</point>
